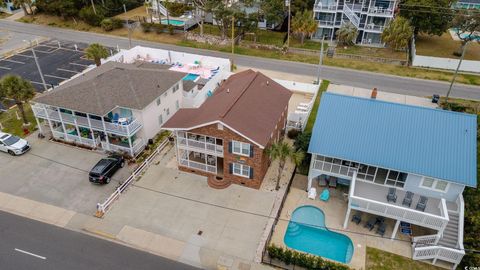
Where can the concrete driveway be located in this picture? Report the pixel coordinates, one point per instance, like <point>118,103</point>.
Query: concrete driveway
<point>55,174</point>
<point>207,226</point>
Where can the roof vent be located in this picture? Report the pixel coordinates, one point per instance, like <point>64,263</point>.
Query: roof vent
<point>374,93</point>
<point>228,90</point>
<point>267,82</point>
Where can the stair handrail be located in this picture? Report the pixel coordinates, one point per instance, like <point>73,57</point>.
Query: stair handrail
<point>351,15</point>
<point>461,212</point>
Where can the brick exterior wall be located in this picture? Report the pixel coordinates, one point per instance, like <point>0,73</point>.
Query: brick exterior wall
<point>259,162</point>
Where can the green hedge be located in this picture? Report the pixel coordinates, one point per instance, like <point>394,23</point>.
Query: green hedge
<point>110,24</point>
<point>301,259</point>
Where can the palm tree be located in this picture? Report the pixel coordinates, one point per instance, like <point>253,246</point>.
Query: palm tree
<point>304,24</point>
<point>347,34</point>
<point>398,33</point>
<point>96,52</point>
<point>282,151</point>
<point>17,89</point>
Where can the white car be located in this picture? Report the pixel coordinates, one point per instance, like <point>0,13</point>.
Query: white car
<point>13,144</point>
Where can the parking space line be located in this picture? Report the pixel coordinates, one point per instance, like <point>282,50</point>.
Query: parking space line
<point>37,83</point>
<point>19,54</point>
<point>7,68</point>
<point>68,70</point>
<point>57,77</point>
<point>76,64</point>
<point>13,61</point>
<point>31,254</point>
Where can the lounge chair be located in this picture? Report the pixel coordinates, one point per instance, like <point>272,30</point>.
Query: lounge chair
<point>379,220</point>
<point>321,181</point>
<point>312,193</point>
<point>325,195</point>
<point>422,203</point>
<point>407,201</point>
<point>391,196</point>
<point>332,182</point>
<point>370,225</point>
<point>381,229</point>
<point>357,218</point>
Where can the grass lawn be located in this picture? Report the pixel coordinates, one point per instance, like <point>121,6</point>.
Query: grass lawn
<point>4,15</point>
<point>444,46</point>
<point>133,13</point>
<point>316,104</point>
<point>372,51</point>
<point>178,39</point>
<point>381,260</point>
<point>14,126</point>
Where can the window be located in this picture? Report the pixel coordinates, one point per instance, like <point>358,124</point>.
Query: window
<point>241,148</point>
<point>165,94</point>
<point>431,183</point>
<point>160,120</point>
<point>241,170</point>
<point>158,101</point>
<point>175,88</point>
<point>168,111</point>
<point>177,105</point>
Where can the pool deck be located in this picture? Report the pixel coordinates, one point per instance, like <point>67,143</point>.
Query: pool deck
<point>335,210</point>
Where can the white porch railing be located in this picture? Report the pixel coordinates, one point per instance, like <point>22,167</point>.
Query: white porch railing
<point>205,147</point>
<point>197,165</point>
<point>74,139</point>
<point>438,253</point>
<point>137,147</point>
<point>322,7</point>
<point>103,207</point>
<point>425,240</point>
<point>56,115</point>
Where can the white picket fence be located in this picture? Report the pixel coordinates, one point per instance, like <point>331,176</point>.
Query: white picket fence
<point>102,208</point>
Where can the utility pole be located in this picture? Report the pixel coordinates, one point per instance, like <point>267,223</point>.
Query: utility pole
<point>93,6</point>
<point>456,72</point>
<point>128,27</point>
<point>233,34</point>
<point>158,12</point>
<point>38,65</point>
<point>320,62</point>
<point>287,2</point>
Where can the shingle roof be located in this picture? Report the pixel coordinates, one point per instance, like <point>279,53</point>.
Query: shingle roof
<point>112,84</point>
<point>424,141</point>
<point>248,102</point>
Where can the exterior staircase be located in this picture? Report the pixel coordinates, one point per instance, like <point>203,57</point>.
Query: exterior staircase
<point>161,7</point>
<point>450,234</point>
<point>352,17</point>
<point>216,183</point>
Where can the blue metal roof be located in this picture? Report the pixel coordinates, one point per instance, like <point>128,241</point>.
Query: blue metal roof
<point>424,141</point>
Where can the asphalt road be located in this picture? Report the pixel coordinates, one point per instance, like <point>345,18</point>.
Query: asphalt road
<point>351,77</point>
<point>28,244</point>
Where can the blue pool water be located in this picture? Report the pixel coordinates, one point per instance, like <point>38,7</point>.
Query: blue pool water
<point>307,232</point>
<point>173,22</point>
<point>190,77</point>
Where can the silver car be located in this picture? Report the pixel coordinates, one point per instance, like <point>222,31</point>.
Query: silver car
<point>12,144</point>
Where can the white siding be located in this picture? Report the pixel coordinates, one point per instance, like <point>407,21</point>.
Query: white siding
<point>413,184</point>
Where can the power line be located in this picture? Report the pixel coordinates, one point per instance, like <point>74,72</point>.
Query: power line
<point>249,212</point>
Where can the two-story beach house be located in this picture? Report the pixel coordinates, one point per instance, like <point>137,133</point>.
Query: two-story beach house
<point>370,17</point>
<point>402,162</point>
<point>116,107</point>
<point>225,138</point>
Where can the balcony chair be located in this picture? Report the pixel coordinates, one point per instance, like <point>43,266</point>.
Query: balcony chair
<point>357,218</point>
<point>332,182</point>
<point>381,229</point>
<point>422,203</point>
<point>379,220</point>
<point>370,225</point>
<point>391,196</point>
<point>325,195</point>
<point>407,201</point>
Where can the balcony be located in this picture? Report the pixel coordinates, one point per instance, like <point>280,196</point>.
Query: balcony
<point>197,165</point>
<point>75,139</point>
<point>120,129</point>
<point>372,198</point>
<point>381,11</point>
<point>200,143</point>
<point>371,27</point>
<point>320,7</point>
<point>137,147</point>
<point>327,23</point>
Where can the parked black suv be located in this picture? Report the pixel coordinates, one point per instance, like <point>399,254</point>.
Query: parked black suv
<point>103,171</point>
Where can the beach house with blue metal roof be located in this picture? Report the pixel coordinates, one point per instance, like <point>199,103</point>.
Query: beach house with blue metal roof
<point>402,162</point>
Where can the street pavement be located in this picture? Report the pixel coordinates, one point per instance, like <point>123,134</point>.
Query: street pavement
<point>351,77</point>
<point>29,244</point>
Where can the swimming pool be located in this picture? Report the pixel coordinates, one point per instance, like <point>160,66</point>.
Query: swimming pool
<point>173,22</point>
<point>190,77</point>
<point>307,232</point>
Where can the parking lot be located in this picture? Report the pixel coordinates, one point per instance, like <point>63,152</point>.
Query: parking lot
<point>58,60</point>
<point>55,174</point>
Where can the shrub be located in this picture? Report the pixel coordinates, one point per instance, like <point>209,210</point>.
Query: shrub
<point>307,261</point>
<point>158,28</point>
<point>170,29</point>
<point>293,133</point>
<point>146,27</point>
<point>110,24</point>
<point>177,9</point>
<point>90,17</point>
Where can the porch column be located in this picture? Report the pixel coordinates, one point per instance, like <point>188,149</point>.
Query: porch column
<point>130,144</point>
<point>347,217</point>
<point>91,130</point>
<point>48,119</point>
<point>106,134</point>
<point>309,183</point>
<point>39,125</point>
<point>63,124</point>
<point>395,229</point>
<point>77,129</point>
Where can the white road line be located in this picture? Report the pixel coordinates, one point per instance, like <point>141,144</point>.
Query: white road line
<point>38,83</point>
<point>13,61</point>
<point>7,68</point>
<point>75,64</point>
<point>31,254</point>
<point>53,76</point>
<point>19,54</point>
<point>68,70</point>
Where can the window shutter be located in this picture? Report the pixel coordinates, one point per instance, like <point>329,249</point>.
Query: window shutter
<point>251,172</point>
<point>230,167</point>
<point>230,147</point>
<point>251,150</point>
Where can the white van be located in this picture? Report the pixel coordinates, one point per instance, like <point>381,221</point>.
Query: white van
<point>12,144</point>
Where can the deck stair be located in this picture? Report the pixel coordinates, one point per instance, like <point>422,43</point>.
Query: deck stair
<point>350,14</point>
<point>450,234</point>
<point>218,183</point>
